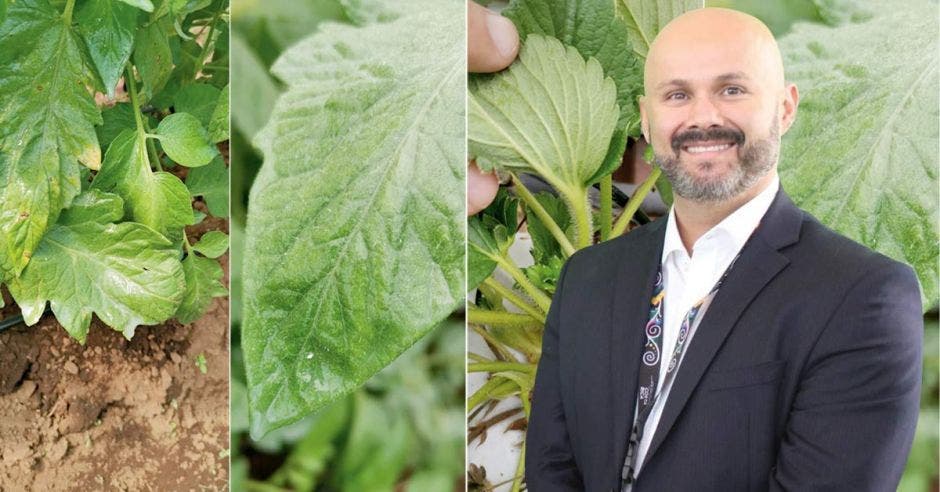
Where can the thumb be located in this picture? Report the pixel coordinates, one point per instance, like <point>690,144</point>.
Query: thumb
<point>492,40</point>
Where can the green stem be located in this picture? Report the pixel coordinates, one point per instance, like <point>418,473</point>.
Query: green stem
<point>634,203</point>
<point>500,318</point>
<point>512,297</point>
<point>67,15</point>
<point>495,345</point>
<point>520,471</point>
<point>205,48</point>
<point>581,213</point>
<point>142,130</point>
<point>540,298</point>
<point>607,206</point>
<point>500,366</point>
<point>494,388</point>
<point>543,215</point>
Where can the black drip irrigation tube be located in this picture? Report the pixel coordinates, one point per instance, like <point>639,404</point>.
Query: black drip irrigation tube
<point>7,323</point>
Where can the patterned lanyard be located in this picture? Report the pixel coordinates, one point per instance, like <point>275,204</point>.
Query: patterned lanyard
<point>652,355</point>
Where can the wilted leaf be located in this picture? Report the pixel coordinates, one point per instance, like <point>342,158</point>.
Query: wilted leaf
<point>185,140</point>
<point>355,242</point>
<point>47,118</point>
<point>126,273</point>
<point>862,156</point>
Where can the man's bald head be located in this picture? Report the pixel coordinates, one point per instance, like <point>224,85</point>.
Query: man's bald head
<point>698,34</point>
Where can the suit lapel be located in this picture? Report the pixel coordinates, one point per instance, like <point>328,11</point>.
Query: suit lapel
<point>632,292</point>
<point>760,261</point>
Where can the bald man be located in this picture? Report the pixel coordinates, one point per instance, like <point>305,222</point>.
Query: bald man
<point>737,344</point>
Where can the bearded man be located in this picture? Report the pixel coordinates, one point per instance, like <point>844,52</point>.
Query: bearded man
<point>737,344</point>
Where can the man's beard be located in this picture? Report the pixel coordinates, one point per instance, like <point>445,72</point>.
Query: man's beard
<point>756,159</point>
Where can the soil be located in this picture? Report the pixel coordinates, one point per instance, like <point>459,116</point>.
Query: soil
<point>116,414</point>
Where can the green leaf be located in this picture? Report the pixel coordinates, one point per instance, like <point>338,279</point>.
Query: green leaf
<point>551,113</point>
<point>144,5</point>
<point>377,448</point>
<point>862,155</point>
<point>544,245</point>
<point>199,100</point>
<point>355,240</point>
<point>593,28</point>
<point>185,140</point>
<point>644,19</point>
<point>158,200</point>
<point>116,119</point>
<point>212,244</point>
<point>211,183</point>
<point>203,282</point>
<point>108,28</point>
<point>153,58</point>
<point>218,123</point>
<point>126,273</point>
<point>490,232</point>
<point>3,10</point>
<point>47,119</point>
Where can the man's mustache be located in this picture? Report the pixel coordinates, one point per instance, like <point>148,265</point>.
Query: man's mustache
<point>689,136</point>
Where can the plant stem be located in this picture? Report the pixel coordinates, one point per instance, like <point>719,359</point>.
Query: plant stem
<point>500,387</point>
<point>581,214</point>
<point>67,14</point>
<point>499,348</point>
<point>520,471</point>
<point>634,203</point>
<point>500,366</point>
<point>540,298</point>
<point>142,129</point>
<point>543,215</point>
<point>205,48</point>
<point>607,206</point>
<point>500,318</point>
<point>512,297</point>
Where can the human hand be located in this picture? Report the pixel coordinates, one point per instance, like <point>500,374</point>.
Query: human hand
<point>492,45</point>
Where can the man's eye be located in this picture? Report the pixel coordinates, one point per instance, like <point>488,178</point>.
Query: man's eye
<point>734,91</point>
<point>675,96</point>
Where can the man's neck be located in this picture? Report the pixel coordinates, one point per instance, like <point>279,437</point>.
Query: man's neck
<point>694,219</point>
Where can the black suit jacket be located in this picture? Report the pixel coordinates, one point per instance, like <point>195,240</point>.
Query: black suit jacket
<point>804,373</point>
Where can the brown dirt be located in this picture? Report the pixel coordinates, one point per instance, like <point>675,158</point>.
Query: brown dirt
<point>115,414</point>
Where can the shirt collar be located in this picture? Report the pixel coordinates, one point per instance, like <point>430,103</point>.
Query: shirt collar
<point>736,228</point>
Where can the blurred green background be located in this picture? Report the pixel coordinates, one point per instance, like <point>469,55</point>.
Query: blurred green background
<point>404,430</point>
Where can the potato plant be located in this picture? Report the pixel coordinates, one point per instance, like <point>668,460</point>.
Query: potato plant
<point>111,113</point>
<point>861,157</point>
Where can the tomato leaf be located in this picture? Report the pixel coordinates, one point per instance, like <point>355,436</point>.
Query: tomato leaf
<point>218,122</point>
<point>185,140</point>
<point>212,244</point>
<point>355,239</point>
<point>211,183</point>
<point>127,273</point>
<point>203,282</point>
<point>108,28</point>
<point>153,58</point>
<point>47,118</point>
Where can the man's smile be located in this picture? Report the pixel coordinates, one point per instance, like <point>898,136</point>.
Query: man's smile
<point>708,148</point>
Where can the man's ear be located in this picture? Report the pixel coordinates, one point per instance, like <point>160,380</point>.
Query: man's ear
<point>644,120</point>
<point>791,99</point>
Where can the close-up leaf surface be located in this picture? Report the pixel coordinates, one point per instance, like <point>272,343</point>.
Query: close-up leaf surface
<point>355,236</point>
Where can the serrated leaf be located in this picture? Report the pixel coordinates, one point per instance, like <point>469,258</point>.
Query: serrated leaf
<point>127,274</point>
<point>862,155</point>
<point>108,28</point>
<point>47,118</point>
<point>644,19</point>
<point>185,140</point>
<point>203,283</point>
<point>212,244</point>
<point>544,245</point>
<point>158,200</point>
<point>593,28</point>
<point>211,183</point>
<point>369,255</point>
<point>550,113</point>
<point>144,5</point>
<point>218,123</point>
<point>153,59</point>
<point>199,100</point>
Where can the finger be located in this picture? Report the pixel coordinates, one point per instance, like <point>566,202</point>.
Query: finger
<point>492,40</point>
<point>481,188</point>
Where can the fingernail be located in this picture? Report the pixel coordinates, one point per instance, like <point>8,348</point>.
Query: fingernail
<point>503,34</point>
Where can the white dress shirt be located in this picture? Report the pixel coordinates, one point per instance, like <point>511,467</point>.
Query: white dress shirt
<point>687,279</point>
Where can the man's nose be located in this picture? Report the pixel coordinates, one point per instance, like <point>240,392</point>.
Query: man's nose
<point>703,114</point>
